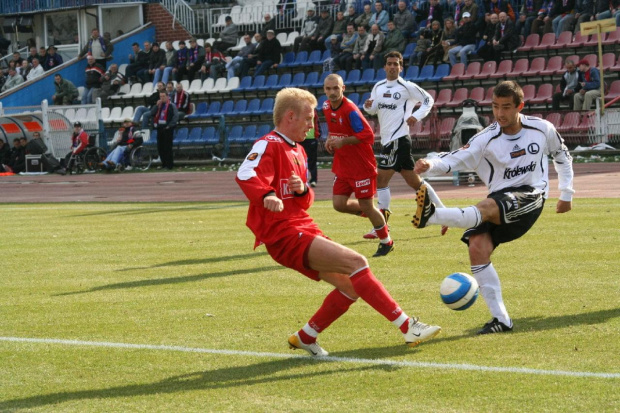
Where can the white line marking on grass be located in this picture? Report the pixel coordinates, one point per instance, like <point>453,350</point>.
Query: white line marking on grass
<point>395,363</point>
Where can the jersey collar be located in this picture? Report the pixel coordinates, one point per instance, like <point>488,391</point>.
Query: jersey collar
<point>286,139</point>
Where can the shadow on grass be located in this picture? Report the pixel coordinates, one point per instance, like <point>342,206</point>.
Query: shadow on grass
<point>154,210</point>
<point>198,261</point>
<point>223,378</point>
<point>173,280</point>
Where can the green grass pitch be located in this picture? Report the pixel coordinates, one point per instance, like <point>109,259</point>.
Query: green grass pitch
<point>184,276</point>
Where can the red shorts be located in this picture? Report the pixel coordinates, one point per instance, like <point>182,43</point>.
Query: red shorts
<point>363,188</point>
<point>291,250</point>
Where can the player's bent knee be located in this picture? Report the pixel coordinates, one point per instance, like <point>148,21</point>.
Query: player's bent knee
<point>480,248</point>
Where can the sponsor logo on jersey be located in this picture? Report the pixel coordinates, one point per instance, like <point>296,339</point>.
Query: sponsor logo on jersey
<point>533,148</point>
<point>517,152</point>
<point>285,193</point>
<point>273,138</point>
<point>391,106</point>
<point>252,156</point>
<point>326,104</point>
<point>359,184</point>
<point>387,95</point>
<point>519,170</point>
<point>396,96</point>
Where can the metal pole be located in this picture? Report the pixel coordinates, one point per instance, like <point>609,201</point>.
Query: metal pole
<point>601,68</point>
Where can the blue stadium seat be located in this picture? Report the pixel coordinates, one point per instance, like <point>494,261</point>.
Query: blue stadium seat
<point>245,84</point>
<point>341,73</point>
<point>152,139</point>
<point>214,110</point>
<point>412,73</point>
<point>298,80</point>
<point>227,108</point>
<point>355,98</point>
<point>313,59</point>
<point>408,51</point>
<point>240,107</point>
<point>258,82</point>
<point>326,55</point>
<point>249,134</point>
<point>353,78</point>
<point>194,136</point>
<point>201,110</point>
<point>235,134</point>
<point>311,79</point>
<point>266,107</point>
<point>209,137</point>
<point>253,107</point>
<point>284,81</point>
<point>287,60</point>
<point>270,83</point>
<point>263,130</point>
<point>368,77</point>
<point>300,59</point>
<point>442,71</point>
<point>379,76</point>
<point>319,83</point>
<point>364,98</point>
<point>425,74</point>
<point>180,134</point>
<point>322,100</point>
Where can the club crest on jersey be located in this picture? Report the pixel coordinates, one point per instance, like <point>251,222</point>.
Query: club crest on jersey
<point>296,161</point>
<point>396,96</point>
<point>252,156</point>
<point>533,148</point>
<point>273,138</point>
<point>517,152</point>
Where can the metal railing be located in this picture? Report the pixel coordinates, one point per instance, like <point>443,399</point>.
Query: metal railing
<point>182,12</point>
<point>16,7</point>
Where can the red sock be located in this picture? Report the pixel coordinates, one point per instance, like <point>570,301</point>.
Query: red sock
<point>382,232</point>
<point>374,293</point>
<point>334,305</point>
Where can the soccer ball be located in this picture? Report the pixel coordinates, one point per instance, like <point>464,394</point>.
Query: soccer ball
<point>459,291</point>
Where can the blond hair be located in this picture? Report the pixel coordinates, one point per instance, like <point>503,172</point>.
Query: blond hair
<point>291,98</point>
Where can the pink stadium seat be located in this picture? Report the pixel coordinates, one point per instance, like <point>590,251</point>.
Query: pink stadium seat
<point>612,38</point>
<point>587,121</point>
<point>547,41</point>
<point>614,91</point>
<point>593,40</point>
<point>592,58</point>
<point>505,67</point>
<point>616,66</point>
<point>543,95</point>
<point>487,70</point>
<point>432,93</point>
<point>445,96</point>
<point>609,60</point>
<point>445,129</point>
<point>488,97</point>
<point>520,67</point>
<point>473,69</point>
<point>459,96</point>
<point>554,67</point>
<point>554,118</point>
<point>456,71</point>
<point>529,93</point>
<point>477,94</point>
<point>570,122</point>
<point>565,40</point>
<point>531,42</point>
<point>573,57</point>
<point>538,65</point>
<point>578,41</point>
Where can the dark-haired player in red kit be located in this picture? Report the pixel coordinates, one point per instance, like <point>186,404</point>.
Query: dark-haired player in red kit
<point>274,178</point>
<point>355,167</point>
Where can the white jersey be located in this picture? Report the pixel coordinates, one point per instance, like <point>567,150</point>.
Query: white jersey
<point>507,161</point>
<point>394,101</point>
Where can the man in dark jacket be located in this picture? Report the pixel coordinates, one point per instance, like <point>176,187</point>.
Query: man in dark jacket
<point>157,59</point>
<point>66,92</point>
<point>143,113</point>
<point>195,59</point>
<point>268,53</point>
<point>52,59</point>
<point>165,119</point>
<point>94,77</point>
<point>569,84</point>
<point>465,40</point>
<point>323,30</point>
<point>139,60</point>
<point>564,11</point>
<point>506,37</point>
<point>112,82</point>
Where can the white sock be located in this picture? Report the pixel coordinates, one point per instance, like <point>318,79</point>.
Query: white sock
<point>310,331</point>
<point>433,195</point>
<point>491,290</point>
<point>456,217</point>
<point>385,196</point>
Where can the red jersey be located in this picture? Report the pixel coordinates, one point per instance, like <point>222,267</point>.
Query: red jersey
<point>351,161</point>
<point>79,141</point>
<point>267,169</point>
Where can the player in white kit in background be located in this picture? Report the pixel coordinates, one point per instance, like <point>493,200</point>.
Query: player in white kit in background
<point>511,157</point>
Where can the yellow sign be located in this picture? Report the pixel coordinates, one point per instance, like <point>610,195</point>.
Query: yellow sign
<point>598,26</point>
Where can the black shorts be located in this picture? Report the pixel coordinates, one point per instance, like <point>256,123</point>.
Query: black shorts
<point>519,208</point>
<point>397,155</point>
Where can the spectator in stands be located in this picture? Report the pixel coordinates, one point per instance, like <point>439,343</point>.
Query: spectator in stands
<point>182,101</point>
<point>364,18</point>
<point>268,54</point>
<point>13,79</point>
<point>98,47</point>
<point>380,17</point>
<point>607,9</point>
<point>506,37</point>
<point>590,90</point>
<point>66,92</point>
<point>180,69</point>
<point>335,49</point>
<point>165,118</point>
<point>434,53</point>
<point>308,27</point>
<point>234,66</point>
<point>564,11</point>
<point>169,90</point>
<point>345,59</point>
<point>270,24</point>
<point>195,59</point>
<point>24,69</point>
<point>214,63</point>
<point>465,40</point>
<point>394,42</point>
<point>79,141</point>
<point>569,84</point>
<point>543,22</point>
<point>584,10</point>
<point>157,59</point>
<point>126,139</point>
<point>143,113</point>
<point>52,59</point>
<point>162,73</point>
<point>376,38</point>
<point>138,61</point>
<point>143,73</point>
<point>250,60</point>
<point>36,70</point>
<point>339,29</point>
<point>404,20</point>
<point>93,79</point>
<point>449,37</point>
<point>32,54</point>
<point>351,15</point>
<point>42,55</point>
<point>323,30</point>
<point>427,13</point>
<point>528,13</point>
<point>421,46</point>
<point>454,10</point>
<point>472,8</point>
<point>499,6</point>
<point>485,47</point>
<point>17,58</point>
<point>285,8</point>
<point>228,36</point>
<point>361,47</point>
<point>112,82</point>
